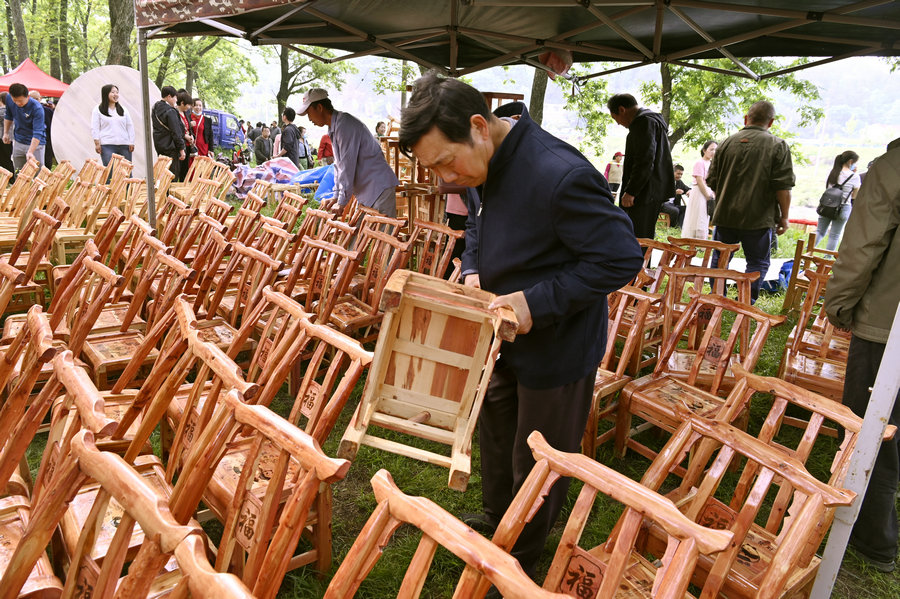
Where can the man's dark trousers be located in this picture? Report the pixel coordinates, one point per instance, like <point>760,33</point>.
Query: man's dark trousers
<point>757,246</point>
<point>643,215</point>
<point>875,531</point>
<point>509,414</point>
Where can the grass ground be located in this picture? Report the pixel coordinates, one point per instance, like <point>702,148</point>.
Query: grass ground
<point>353,499</point>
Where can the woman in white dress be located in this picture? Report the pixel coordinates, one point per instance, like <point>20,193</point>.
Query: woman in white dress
<point>696,217</point>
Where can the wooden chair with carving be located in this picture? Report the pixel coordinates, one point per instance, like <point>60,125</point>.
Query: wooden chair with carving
<point>705,248</point>
<point>289,209</point>
<point>109,353</point>
<point>771,556</point>
<point>243,225</point>
<point>619,566</point>
<point>681,283</point>
<point>240,286</point>
<point>694,378</point>
<point>486,564</point>
<point>131,518</point>
<point>658,255</point>
<point>432,248</point>
<point>608,382</point>
<point>815,357</point>
<point>360,314</point>
<point>322,277</point>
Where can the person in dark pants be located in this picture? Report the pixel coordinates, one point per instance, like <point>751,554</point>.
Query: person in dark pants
<point>168,132</point>
<point>862,296</point>
<point>752,177</point>
<point>647,177</point>
<point>5,148</point>
<point>548,240</point>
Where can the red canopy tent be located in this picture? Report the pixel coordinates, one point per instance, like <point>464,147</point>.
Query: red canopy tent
<point>31,75</point>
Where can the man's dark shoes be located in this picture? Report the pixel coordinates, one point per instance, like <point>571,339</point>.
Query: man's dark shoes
<point>875,564</point>
<point>480,523</point>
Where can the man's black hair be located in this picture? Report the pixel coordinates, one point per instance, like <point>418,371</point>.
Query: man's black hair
<point>290,114</point>
<point>166,91</point>
<point>441,102</point>
<point>620,101</point>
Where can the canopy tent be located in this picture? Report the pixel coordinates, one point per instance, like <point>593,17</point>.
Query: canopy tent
<point>32,77</point>
<point>459,37</point>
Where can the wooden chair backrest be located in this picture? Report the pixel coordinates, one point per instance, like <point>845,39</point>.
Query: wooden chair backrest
<point>208,262</point>
<point>327,271</point>
<point>823,410</point>
<point>634,305</point>
<point>482,558</point>
<point>260,189</point>
<point>161,165</point>
<point>249,271</point>
<point>37,236</point>
<point>380,254</point>
<point>19,419</point>
<point>20,188</point>
<point>144,506</point>
<point>808,318</point>
<point>715,343</point>
<point>681,282</point>
<point>261,527</point>
<point>432,247</point>
<point>335,363</point>
<point>141,256</point>
<point>705,248</point>
<point>670,256</point>
<point>686,538</point>
<point>85,298</point>
<point>289,209</point>
<point>171,276</point>
<point>707,499</point>
<point>5,177</point>
<point>379,222</point>
<point>10,278</point>
<point>274,241</point>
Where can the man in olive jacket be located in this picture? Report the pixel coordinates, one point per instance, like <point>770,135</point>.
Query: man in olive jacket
<point>862,296</point>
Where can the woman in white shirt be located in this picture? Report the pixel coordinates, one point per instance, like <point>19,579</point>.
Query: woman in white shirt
<point>843,175</point>
<point>111,126</point>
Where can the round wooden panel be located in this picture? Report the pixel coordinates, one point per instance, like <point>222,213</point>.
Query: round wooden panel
<point>72,121</point>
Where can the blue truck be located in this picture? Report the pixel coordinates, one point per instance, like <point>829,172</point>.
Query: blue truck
<point>225,127</point>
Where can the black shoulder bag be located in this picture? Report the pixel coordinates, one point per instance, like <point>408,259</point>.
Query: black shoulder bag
<point>832,200</point>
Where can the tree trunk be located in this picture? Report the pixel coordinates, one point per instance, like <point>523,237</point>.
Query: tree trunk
<point>121,24</point>
<point>189,76</point>
<point>15,10</point>
<point>54,39</point>
<point>538,91</point>
<point>403,84</point>
<point>164,60</point>
<point>285,83</point>
<point>665,72</point>
<point>64,60</point>
<point>9,50</point>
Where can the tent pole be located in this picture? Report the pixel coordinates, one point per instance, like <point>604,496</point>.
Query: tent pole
<point>881,403</point>
<point>148,130</point>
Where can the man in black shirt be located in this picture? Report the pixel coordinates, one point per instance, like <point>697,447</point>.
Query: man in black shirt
<point>290,137</point>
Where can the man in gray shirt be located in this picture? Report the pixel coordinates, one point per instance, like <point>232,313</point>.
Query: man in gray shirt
<point>359,166</point>
<point>262,146</point>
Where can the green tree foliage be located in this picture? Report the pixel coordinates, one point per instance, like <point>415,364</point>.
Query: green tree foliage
<point>300,71</point>
<point>588,101</point>
<point>701,105</point>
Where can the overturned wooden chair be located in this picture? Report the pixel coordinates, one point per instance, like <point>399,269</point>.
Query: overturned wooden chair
<point>433,360</point>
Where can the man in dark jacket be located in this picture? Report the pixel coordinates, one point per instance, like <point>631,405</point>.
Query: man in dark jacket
<point>549,241</point>
<point>647,178</point>
<point>168,130</point>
